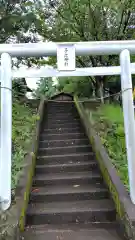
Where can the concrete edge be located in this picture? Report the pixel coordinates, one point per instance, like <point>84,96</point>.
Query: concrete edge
<point>14,219</point>
<point>124,207</point>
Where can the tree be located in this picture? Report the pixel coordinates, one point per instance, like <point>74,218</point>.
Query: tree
<point>16,19</point>
<point>91,20</point>
<point>69,20</point>
<point>45,88</point>
<point>20,88</point>
<point>75,85</point>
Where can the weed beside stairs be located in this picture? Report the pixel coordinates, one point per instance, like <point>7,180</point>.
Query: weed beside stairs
<point>24,120</point>
<point>109,124</point>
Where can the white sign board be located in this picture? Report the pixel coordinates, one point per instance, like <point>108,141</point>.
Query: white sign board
<point>66,57</point>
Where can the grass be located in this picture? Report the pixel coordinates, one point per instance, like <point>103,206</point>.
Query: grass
<point>23,124</point>
<point>24,119</point>
<point>108,122</point>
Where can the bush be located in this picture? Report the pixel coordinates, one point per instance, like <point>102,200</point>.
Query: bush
<point>108,122</point>
<point>24,119</point>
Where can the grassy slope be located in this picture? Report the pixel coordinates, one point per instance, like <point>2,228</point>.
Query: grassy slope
<point>108,122</point>
<point>24,119</point>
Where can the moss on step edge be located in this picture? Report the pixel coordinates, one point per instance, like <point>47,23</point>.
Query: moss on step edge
<point>27,192</point>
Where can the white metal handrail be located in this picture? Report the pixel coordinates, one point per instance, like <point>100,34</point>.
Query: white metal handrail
<point>124,48</point>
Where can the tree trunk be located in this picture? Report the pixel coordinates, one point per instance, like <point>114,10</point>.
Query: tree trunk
<point>101,92</point>
<point>107,96</point>
<point>100,88</point>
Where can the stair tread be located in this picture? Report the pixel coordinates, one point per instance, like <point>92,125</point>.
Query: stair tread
<point>73,124</point>
<point>69,175</point>
<point>58,165</point>
<point>68,134</point>
<point>72,226</point>
<point>72,206</point>
<point>62,130</point>
<point>66,124</point>
<point>71,118</point>
<point>65,147</point>
<point>64,135</point>
<point>67,140</point>
<point>51,151</point>
<point>87,234</point>
<point>68,155</point>
<point>68,189</point>
<point>61,115</point>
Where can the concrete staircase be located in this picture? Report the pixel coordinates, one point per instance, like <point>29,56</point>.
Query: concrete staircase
<point>69,199</point>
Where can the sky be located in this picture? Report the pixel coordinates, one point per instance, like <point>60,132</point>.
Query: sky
<point>32,82</point>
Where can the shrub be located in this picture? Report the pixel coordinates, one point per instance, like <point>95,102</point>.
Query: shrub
<point>109,124</point>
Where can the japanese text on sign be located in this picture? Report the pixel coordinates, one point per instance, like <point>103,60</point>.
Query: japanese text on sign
<point>66,57</point>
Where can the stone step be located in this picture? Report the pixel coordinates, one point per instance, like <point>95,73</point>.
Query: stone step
<point>68,193</point>
<point>61,121</point>
<point>79,232</point>
<point>61,111</point>
<point>61,115</point>
<point>64,150</point>
<point>66,167</point>
<point>70,178</point>
<point>62,136</point>
<point>63,130</point>
<point>63,143</point>
<point>66,158</point>
<point>61,125</point>
<point>72,227</point>
<point>71,212</point>
<point>64,105</point>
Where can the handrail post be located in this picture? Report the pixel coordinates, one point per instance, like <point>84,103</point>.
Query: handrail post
<point>6,131</point>
<point>129,120</point>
